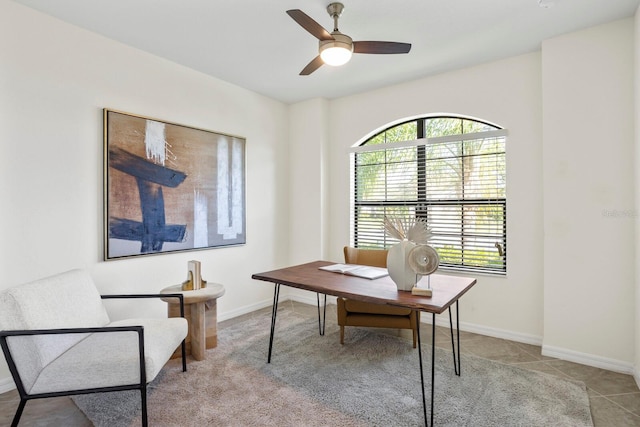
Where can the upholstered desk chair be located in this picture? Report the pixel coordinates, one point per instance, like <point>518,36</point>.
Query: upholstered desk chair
<point>359,313</point>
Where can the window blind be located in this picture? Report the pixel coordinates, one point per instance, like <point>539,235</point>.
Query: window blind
<point>457,183</point>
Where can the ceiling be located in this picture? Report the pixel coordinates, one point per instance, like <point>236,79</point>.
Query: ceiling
<point>256,45</point>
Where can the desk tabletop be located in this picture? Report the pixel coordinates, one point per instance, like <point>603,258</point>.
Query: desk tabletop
<point>446,289</point>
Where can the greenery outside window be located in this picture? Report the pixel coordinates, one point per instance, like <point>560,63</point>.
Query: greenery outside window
<point>449,171</point>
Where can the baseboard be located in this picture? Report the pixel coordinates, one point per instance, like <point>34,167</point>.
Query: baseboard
<point>443,320</point>
<point>310,299</point>
<point>6,384</point>
<point>591,360</point>
<point>550,351</point>
<point>246,309</point>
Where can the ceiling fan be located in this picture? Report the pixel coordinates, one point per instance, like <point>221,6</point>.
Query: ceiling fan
<point>335,48</point>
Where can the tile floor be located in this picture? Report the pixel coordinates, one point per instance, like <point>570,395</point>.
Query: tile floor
<point>615,398</point>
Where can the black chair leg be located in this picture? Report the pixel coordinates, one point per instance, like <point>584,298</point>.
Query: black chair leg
<point>143,396</point>
<point>16,417</point>
<point>184,356</point>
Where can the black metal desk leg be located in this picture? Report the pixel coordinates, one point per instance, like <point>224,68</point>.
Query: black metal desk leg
<point>274,311</point>
<point>458,333</point>
<point>456,358</point>
<point>433,360</point>
<point>324,316</point>
<point>424,400</point>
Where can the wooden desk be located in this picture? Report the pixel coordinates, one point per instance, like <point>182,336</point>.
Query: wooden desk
<point>446,291</point>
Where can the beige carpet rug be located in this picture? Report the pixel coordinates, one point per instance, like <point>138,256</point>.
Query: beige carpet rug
<point>312,380</point>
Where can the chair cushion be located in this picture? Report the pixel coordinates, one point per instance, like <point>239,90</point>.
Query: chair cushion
<point>66,300</point>
<point>110,359</point>
<point>366,307</point>
<point>379,321</point>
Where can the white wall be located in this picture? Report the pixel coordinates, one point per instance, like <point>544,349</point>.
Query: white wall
<point>308,166</point>
<point>506,93</point>
<point>54,81</point>
<point>308,236</point>
<point>588,170</point>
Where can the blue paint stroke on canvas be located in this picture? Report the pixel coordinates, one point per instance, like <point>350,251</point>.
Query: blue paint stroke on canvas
<point>153,232</point>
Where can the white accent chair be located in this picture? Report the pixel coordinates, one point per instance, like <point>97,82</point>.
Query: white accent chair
<point>58,340</point>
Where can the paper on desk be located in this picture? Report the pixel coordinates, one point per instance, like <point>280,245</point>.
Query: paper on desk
<point>363,271</point>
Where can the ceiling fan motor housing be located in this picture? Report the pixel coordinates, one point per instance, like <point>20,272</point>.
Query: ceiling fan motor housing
<point>339,40</point>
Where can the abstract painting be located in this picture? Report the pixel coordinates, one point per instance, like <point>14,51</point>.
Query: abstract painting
<point>170,187</point>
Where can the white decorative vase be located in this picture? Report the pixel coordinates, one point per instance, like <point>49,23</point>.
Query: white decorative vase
<point>398,266</point>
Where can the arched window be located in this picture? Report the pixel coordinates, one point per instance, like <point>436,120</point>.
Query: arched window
<point>450,171</point>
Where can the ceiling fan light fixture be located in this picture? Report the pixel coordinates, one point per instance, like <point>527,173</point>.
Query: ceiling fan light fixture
<point>335,55</point>
<point>338,51</point>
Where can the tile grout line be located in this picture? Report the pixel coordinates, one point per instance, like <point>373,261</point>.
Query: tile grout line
<point>618,405</point>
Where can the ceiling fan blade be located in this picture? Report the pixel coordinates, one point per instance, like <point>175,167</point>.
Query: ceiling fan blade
<point>306,22</point>
<point>381,47</point>
<point>312,66</point>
